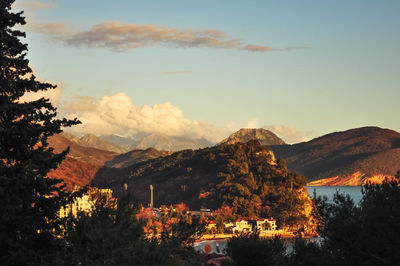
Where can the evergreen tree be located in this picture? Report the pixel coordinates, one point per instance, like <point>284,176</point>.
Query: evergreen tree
<point>29,200</point>
<point>365,233</point>
<point>110,235</point>
<point>248,249</point>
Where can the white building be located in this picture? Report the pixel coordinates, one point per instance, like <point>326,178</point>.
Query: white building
<point>84,203</point>
<point>260,225</point>
<point>265,225</point>
<point>241,226</point>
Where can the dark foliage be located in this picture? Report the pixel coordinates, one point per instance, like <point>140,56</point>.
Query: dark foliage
<point>364,234</point>
<point>250,250</point>
<point>29,201</point>
<point>110,235</point>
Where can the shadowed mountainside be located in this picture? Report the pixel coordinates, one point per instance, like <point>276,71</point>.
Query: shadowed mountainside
<point>135,156</point>
<point>169,143</point>
<point>158,141</point>
<point>345,158</point>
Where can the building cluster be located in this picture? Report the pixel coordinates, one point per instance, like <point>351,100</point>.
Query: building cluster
<point>260,225</point>
<point>85,203</point>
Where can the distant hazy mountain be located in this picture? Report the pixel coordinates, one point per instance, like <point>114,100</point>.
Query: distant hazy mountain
<point>69,136</point>
<point>135,156</point>
<point>168,143</point>
<point>124,142</point>
<point>265,137</point>
<point>90,140</point>
<point>345,158</point>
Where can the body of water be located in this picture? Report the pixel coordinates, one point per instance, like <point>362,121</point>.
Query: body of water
<point>354,192</point>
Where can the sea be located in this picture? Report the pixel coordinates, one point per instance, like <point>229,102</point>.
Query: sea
<point>354,192</point>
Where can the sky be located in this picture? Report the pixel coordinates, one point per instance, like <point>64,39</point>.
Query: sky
<point>205,68</point>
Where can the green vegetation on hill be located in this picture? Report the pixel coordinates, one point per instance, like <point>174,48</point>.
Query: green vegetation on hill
<point>245,176</point>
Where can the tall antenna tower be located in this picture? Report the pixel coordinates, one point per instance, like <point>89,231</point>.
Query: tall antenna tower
<point>151,196</point>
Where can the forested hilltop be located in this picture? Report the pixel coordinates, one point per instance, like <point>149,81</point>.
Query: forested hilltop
<point>244,176</point>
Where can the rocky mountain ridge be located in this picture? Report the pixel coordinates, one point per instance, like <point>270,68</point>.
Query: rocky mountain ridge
<point>171,143</point>
<point>264,136</point>
<point>161,142</point>
<point>92,141</point>
<point>346,158</point>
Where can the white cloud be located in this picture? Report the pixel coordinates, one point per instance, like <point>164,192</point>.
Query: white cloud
<point>253,123</point>
<point>116,114</point>
<point>287,133</point>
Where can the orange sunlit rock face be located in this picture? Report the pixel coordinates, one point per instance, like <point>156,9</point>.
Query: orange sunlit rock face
<point>81,164</point>
<point>356,179</point>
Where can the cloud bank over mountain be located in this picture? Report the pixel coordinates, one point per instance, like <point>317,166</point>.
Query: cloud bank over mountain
<point>288,133</point>
<point>116,114</point>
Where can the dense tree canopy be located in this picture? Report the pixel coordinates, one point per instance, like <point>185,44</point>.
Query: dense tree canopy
<point>29,200</point>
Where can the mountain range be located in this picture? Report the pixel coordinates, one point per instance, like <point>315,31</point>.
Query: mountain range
<point>164,142</point>
<point>160,142</point>
<point>350,157</point>
<point>171,143</point>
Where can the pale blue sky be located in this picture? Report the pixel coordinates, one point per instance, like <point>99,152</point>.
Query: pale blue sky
<point>341,70</point>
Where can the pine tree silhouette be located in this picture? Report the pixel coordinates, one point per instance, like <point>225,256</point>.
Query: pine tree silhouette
<point>29,200</point>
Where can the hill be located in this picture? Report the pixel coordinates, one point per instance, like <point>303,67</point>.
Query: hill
<point>345,158</point>
<point>170,143</point>
<point>245,176</point>
<point>134,157</point>
<point>265,137</point>
<point>81,164</point>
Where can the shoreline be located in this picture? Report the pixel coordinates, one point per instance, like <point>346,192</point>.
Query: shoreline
<point>284,235</point>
